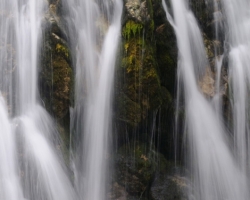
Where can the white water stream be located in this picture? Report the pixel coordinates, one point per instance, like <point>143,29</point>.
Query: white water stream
<point>97,26</point>
<point>214,171</point>
<point>9,182</point>
<point>32,167</point>
<point>30,164</point>
<point>238,23</point>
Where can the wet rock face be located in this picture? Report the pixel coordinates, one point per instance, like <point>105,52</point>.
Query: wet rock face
<point>117,192</point>
<point>168,187</point>
<point>55,7</point>
<point>138,85</point>
<point>207,84</point>
<point>135,168</point>
<point>56,73</point>
<point>137,10</point>
<point>144,173</point>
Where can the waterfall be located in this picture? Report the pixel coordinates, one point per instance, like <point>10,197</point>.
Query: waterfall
<point>97,27</point>
<point>10,185</point>
<point>31,167</point>
<point>31,164</point>
<point>214,171</point>
<point>238,30</point>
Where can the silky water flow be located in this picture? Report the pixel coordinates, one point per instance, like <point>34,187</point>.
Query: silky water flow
<point>31,167</point>
<point>96,28</point>
<point>216,162</point>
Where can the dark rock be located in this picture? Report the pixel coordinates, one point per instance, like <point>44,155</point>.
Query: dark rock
<point>117,192</point>
<point>137,10</point>
<point>134,168</point>
<point>168,187</point>
<point>143,173</point>
<point>169,183</point>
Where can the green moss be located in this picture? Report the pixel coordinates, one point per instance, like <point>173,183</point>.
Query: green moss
<point>62,49</point>
<point>152,25</point>
<point>56,80</point>
<point>61,83</point>
<point>131,28</point>
<point>142,85</point>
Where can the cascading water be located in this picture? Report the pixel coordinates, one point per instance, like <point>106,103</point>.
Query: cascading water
<point>41,173</point>
<point>9,182</point>
<point>214,171</point>
<point>33,168</point>
<point>238,24</point>
<point>97,28</point>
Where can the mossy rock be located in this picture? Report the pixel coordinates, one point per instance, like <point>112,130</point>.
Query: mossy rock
<point>146,76</point>
<point>135,165</point>
<point>131,29</point>
<point>55,7</point>
<point>169,182</point>
<point>56,77</point>
<point>140,81</point>
<point>169,187</point>
<point>128,110</point>
<point>139,169</point>
<point>166,48</point>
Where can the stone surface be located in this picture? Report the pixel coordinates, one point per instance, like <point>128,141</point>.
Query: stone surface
<point>137,10</point>
<point>207,83</point>
<point>168,187</point>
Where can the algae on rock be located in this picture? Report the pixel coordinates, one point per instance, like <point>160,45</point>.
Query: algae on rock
<point>138,70</point>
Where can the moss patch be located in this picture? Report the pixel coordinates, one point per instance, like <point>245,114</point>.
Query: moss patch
<point>56,79</point>
<point>141,82</point>
<point>131,28</point>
